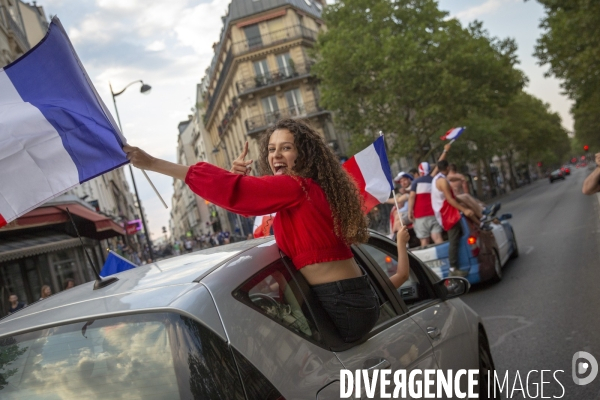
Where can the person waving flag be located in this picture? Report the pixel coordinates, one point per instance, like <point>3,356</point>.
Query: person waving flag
<point>453,133</point>
<point>55,131</point>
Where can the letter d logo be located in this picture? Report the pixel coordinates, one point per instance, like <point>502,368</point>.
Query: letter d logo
<point>583,367</point>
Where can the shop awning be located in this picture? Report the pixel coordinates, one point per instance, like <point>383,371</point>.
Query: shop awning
<point>26,245</point>
<point>90,223</point>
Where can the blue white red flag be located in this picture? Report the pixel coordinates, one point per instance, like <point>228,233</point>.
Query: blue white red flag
<point>55,131</point>
<point>115,264</point>
<point>453,133</point>
<point>371,172</point>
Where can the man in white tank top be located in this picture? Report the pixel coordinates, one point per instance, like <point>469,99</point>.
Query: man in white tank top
<point>447,211</point>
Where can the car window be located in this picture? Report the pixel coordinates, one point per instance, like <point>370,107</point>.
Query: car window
<point>274,293</point>
<point>257,386</point>
<point>158,356</point>
<point>415,290</point>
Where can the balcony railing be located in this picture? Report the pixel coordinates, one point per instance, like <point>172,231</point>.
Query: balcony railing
<point>261,122</point>
<point>228,116</point>
<point>272,77</point>
<point>12,25</point>
<point>212,100</point>
<point>272,38</point>
<point>252,44</point>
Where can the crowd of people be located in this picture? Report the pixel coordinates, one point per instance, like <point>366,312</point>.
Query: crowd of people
<point>430,201</point>
<point>14,304</point>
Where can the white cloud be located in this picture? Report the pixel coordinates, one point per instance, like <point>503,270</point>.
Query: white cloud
<point>121,5</point>
<point>200,27</point>
<point>157,45</point>
<point>486,8</point>
<point>95,28</point>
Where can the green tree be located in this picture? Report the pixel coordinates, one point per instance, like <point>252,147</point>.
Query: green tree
<point>570,47</point>
<point>401,67</point>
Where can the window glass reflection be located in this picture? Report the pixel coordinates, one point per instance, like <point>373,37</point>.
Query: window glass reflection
<point>158,356</point>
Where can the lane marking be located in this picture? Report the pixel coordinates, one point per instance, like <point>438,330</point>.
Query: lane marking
<point>516,318</point>
<point>529,250</point>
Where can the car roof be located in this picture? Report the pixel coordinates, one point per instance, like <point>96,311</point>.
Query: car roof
<point>155,285</point>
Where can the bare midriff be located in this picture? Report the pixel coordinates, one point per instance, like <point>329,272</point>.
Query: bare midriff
<point>331,271</point>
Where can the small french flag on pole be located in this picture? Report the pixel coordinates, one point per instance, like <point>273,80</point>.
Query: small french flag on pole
<point>453,133</point>
<point>115,264</point>
<point>371,172</point>
<point>55,131</point>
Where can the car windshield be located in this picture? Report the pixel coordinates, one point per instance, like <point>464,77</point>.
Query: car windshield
<point>158,356</point>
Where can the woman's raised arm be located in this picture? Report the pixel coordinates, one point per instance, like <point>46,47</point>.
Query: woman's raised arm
<point>140,159</point>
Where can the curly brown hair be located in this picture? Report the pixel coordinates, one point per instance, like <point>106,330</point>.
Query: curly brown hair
<point>317,161</point>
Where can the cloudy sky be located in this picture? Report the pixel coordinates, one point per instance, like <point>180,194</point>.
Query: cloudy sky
<point>168,44</point>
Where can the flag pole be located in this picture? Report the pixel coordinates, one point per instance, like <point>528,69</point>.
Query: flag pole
<point>397,209</point>
<point>100,282</point>
<point>395,200</point>
<point>153,187</point>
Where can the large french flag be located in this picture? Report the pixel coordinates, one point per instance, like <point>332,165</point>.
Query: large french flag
<point>371,172</point>
<point>453,133</point>
<point>55,131</point>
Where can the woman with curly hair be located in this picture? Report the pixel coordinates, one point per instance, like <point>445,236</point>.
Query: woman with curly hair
<point>318,214</point>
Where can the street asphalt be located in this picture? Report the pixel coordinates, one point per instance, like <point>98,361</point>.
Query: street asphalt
<point>546,308</point>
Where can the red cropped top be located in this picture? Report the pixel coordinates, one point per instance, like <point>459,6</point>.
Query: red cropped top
<point>303,225</point>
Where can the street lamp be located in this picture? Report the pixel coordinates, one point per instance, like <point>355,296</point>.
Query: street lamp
<point>144,89</point>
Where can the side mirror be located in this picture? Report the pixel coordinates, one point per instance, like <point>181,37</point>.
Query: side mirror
<point>451,287</point>
<point>506,216</point>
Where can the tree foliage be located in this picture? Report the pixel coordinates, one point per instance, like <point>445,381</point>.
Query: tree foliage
<point>570,46</point>
<point>402,67</point>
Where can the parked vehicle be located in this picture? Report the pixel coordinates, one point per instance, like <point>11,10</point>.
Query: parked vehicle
<point>232,322</point>
<point>566,170</point>
<point>483,251</point>
<point>556,175</point>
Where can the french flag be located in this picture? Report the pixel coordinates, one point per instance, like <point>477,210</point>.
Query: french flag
<point>55,131</point>
<point>371,172</point>
<point>453,133</point>
<point>115,264</point>
<point>262,225</point>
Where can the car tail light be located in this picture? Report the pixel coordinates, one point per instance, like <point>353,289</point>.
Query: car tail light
<point>473,242</point>
<point>388,259</point>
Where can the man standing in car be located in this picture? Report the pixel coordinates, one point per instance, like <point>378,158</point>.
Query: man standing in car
<point>447,211</point>
<point>420,211</point>
<point>591,184</point>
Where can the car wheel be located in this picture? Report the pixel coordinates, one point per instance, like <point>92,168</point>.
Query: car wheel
<point>515,252</point>
<point>497,273</point>
<point>486,368</point>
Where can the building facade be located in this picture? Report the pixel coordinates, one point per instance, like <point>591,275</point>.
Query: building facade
<point>13,36</point>
<point>189,213</point>
<point>260,73</point>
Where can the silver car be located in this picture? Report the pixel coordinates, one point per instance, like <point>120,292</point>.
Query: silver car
<point>231,322</point>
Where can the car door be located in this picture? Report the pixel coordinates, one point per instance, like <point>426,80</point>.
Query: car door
<point>445,323</point>
<point>395,343</point>
<point>501,241</point>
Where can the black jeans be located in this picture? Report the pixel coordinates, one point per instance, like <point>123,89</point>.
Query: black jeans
<point>454,235</point>
<point>351,304</point>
